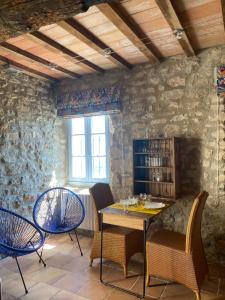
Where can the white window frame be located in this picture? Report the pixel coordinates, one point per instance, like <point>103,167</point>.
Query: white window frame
<point>87,180</point>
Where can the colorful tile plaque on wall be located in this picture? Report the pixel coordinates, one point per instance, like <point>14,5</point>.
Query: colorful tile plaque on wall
<point>220,81</point>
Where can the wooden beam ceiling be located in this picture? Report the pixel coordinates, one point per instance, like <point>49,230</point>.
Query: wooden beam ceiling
<point>87,37</point>
<point>76,57</point>
<point>172,19</point>
<point>26,69</point>
<point>118,16</point>
<point>38,59</point>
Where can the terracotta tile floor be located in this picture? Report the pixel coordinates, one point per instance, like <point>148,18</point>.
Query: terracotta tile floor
<point>69,277</point>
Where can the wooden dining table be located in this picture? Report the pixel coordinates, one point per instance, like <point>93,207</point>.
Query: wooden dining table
<point>134,217</point>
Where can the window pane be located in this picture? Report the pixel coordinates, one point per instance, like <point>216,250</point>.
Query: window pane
<point>78,167</point>
<point>98,167</point>
<point>98,124</point>
<point>98,145</point>
<point>78,145</point>
<point>78,126</point>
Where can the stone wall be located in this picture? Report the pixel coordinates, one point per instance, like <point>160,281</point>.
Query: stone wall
<point>31,141</point>
<point>175,98</point>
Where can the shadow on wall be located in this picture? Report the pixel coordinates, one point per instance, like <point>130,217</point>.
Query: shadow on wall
<point>176,217</point>
<point>190,166</point>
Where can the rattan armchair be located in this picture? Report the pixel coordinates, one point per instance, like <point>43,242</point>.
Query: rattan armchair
<point>119,243</point>
<point>178,257</point>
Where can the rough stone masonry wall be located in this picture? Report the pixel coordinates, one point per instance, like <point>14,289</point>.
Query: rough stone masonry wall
<point>174,98</point>
<point>30,141</point>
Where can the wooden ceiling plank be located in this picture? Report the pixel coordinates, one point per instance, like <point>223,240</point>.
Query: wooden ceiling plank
<point>38,59</point>
<point>26,69</point>
<point>172,19</point>
<point>87,37</point>
<point>44,38</point>
<point>118,16</point>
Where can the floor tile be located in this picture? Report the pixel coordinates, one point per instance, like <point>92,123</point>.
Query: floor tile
<point>117,295</point>
<point>46,275</point>
<point>58,260</point>
<point>78,264</point>
<point>40,291</point>
<point>150,291</point>
<point>8,297</point>
<point>64,295</point>
<point>71,282</point>
<point>94,290</point>
<point>177,290</point>
<point>15,287</point>
<point>6,274</point>
<point>116,277</point>
<point>12,266</point>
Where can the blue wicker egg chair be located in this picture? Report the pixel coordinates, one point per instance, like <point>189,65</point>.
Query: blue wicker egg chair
<point>18,237</point>
<point>59,210</point>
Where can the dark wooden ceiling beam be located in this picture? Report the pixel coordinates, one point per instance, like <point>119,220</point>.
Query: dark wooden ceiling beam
<point>172,19</point>
<point>118,16</point>
<point>38,59</point>
<point>87,37</point>
<point>26,69</point>
<point>223,12</point>
<point>76,57</point>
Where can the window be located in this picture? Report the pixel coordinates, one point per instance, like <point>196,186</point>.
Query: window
<point>88,149</point>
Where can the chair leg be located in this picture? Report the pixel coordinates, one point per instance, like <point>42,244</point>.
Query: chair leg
<point>70,237</point>
<point>81,253</point>
<point>198,295</point>
<point>147,280</point>
<point>125,270</point>
<point>91,262</point>
<point>21,275</point>
<point>40,258</point>
<point>1,289</point>
<point>42,249</point>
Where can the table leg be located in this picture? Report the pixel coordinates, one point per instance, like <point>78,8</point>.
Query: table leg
<point>101,223</point>
<point>144,266</point>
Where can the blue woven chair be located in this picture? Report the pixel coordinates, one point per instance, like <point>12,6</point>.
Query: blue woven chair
<point>59,210</point>
<point>18,237</point>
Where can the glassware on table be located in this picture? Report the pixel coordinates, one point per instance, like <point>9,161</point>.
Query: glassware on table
<point>148,201</point>
<point>124,203</point>
<point>131,201</point>
<point>143,198</point>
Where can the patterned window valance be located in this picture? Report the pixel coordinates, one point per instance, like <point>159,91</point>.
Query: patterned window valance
<point>86,102</point>
<point>220,81</point>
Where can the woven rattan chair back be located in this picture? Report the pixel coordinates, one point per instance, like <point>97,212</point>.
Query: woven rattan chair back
<point>58,210</point>
<point>102,197</point>
<point>193,234</point>
<point>18,237</point>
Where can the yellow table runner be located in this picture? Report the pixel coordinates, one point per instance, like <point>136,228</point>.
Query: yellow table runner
<point>139,208</point>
